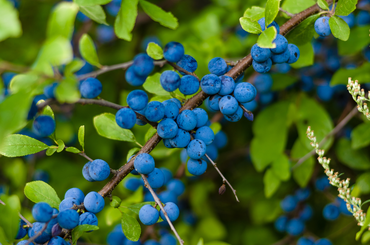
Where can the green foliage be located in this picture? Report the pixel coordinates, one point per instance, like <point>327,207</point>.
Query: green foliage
<point>355,159</point>
<point>130,227</point>
<point>339,28</point>
<point>91,2</point>
<point>254,13</point>
<point>10,222</point>
<point>362,74</point>
<point>345,7</point>
<point>126,18</point>
<point>361,136</point>
<point>81,136</point>
<point>153,85</point>
<point>281,81</point>
<point>323,4</point>
<point>10,25</point>
<point>81,230</point>
<point>132,152</point>
<point>16,145</point>
<point>154,51</point>
<point>266,37</point>
<point>250,26</point>
<point>39,191</point>
<point>304,32</point>
<point>88,51</point>
<point>271,11</point>
<point>157,14</point>
<point>271,181</point>
<point>307,56</point>
<point>365,225</point>
<point>296,6</point>
<point>95,12</point>
<point>61,21</point>
<point>106,126</point>
<point>358,40</point>
<point>302,173</point>
<point>67,91</point>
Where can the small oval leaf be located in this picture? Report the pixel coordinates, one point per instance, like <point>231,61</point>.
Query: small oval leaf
<point>39,191</point>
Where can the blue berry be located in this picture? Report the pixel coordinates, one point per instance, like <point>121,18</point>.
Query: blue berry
<point>322,26</point>
<point>170,80</point>
<point>57,241</point>
<point>49,90</point>
<point>167,143</point>
<point>295,227</point>
<point>7,78</point>
<point>343,207</point>
<point>196,149</point>
<point>188,63</point>
<point>260,54</point>
<point>22,232</point>
<point>205,134</point>
<point>156,178</point>
<point>154,111</point>
<point>43,126</point>
<point>24,242</point>
<point>202,117</point>
<point>144,163</point>
<point>99,170</point>
<point>167,128</point>
<point>172,211</point>
<point>214,102</point>
<point>52,223</point>
<point>175,186</point>
<point>171,109</point>
<point>322,183</point>
<point>129,242</point>
<point>212,152</point>
<point>177,102</point>
<point>307,83</point>
<point>76,194</point>
<point>126,118</point>
<point>220,139</point>
<point>140,122</point>
<point>281,57</point>
<point>151,242</point>
<point>363,18</point>
<point>294,53</point>
<point>68,219</point>
<point>331,212</point>
<point>116,237</point>
<point>167,174</point>
<point>173,51</point>
<point>325,92</point>
<point>85,172</point>
<point>148,39</point>
<point>289,203</point>
<point>227,85</point>
<point>133,184</point>
<point>91,88</point>
<point>36,228</point>
<point>168,239</point>
<point>281,44</point>
<point>305,241</point>
<point>68,203</point>
<point>189,218</point>
<point>105,34</point>
<point>228,105</point>
<point>133,79</point>
<point>217,66</point>
<point>245,92</point>
<point>262,67</point>
<point>181,140</point>
<point>236,116</point>
<point>33,110</point>
<point>42,212</point>
<point>167,196</point>
<point>197,167</point>
<point>210,84</point>
<point>281,223</point>
<point>189,85</point>
<point>263,25</point>
<point>88,218</point>
<point>323,241</point>
<point>187,120</point>
<point>283,68</point>
<point>148,215</point>
<point>302,194</point>
<point>306,213</point>
<point>94,202</point>
<point>143,65</point>
<point>137,99</point>
<point>183,156</point>
<point>263,83</point>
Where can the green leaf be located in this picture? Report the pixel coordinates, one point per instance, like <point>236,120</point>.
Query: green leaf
<point>154,51</point>
<point>47,111</point>
<point>81,136</point>
<point>281,81</point>
<point>345,7</point>
<point>80,230</point>
<point>73,149</point>
<point>356,42</point>
<point>88,51</point>
<point>271,11</point>
<point>9,219</point>
<point>249,26</point>
<point>149,134</point>
<point>61,20</point>
<point>10,26</point>
<point>281,167</point>
<point>272,183</point>
<point>75,65</point>
<point>339,28</point>
<point>363,183</point>
<point>96,13</point>
<point>106,126</point>
<point>200,242</point>
<point>355,159</point>
<point>302,174</point>
<point>132,152</point>
<point>39,191</point>
<point>67,91</point>
<point>116,202</point>
<point>26,82</point>
<point>217,243</point>
<point>125,20</point>
<point>17,145</point>
<point>323,4</point>
<point>137,197</point>
<point>306,57</point>
<point>131,227</point>
<point>159,15</point>
<point>91,2</point>
<point>255,13</point>
<point>153,85</point>
<point>3,239</point>
<point>365,225</point>
<point>361,136</point>
<point>297,6</point>
<point>304,32</point>
<point>50,151</point>
<point>61,145</point>
<point>136,207</point>
<point>16,171</point>
<point>216,127</point>
<point>362,74</point>
<point>267,36</point>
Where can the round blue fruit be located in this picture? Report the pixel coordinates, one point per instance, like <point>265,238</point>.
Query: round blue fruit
<point>214,102</point>
<point>306,213</point>
<point>202,117</point>
<point>197,167</point>
<point>171,109</point>
<point>52,223</point>
<point>363,18</point>
<point>88,218</point>
<point>42,212</point>
<point>181,140</point>
<point>322,183</point>
<point>244,92</point>
<point>24,242</point>
<point>36,228</point>
<point>305,241</point>
<point>177,102</point>
<point>262,67</point>
<point>144,163</point>
<point>188,63</point>
<point>167,174</point>
<point>294,53</point>
<point>143,65</point>
<point>211,84</point>
<point>281,44</point>
<point>105,34</point>
<point>85,172</point>
<point>156,178</point>
<point>148,215</point>
<point>116,237</point>
<point>133,79</point>
<point>172,211</point>
<point>236,116</point>
<point>91,88</point>
<point>281,223</point>
<point>167,128</point>
<point>151,242</point>
<point>189,85</point>
<point>295,227</point>
<point>217,66</point>
<point>168,239</point>
<point>263,83</point>
<point>126,118</point>
<point>76,194</point>
<point>68,219</point>
<point>33,110</point>
<point>167,196</point>
<point>57,241</point>
<point>228,105</point>
<point>260,54</point>
<point>303,194</point>
<point>323,241</point>
<point>173,51</point>
<point>154,111</point>
<point>281,57</point>
<point>331,212</point>
<point>263,25</point>
<point>43,126</point>
<point>22,232</point>
<point>99,170</point>
<point>94,202</point>
<point>175,186</point>
<point>68,203</point>
<point>132,183</point>
<point>137,99</point>
<point>220,139</point>
<point>205,134</point>
<point>322,26</point>
<point>289,203</point>
<point>325,92</point>
<point>170,81</point>
<point>211,152</point>
<point>196,149</point>
<point>227,85</point>
<point>49,90</point>
<point>187,120</point>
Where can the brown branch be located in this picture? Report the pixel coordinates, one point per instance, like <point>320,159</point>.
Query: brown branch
<point>31,239</point>
<point>182,70</point>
